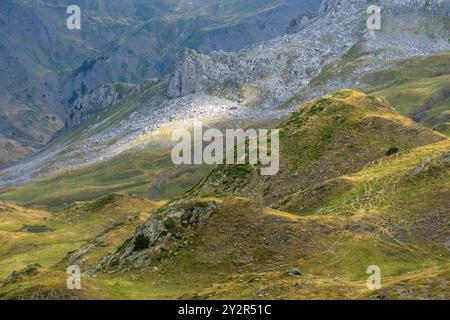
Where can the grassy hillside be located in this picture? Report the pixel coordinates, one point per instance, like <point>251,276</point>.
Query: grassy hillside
<point>326,138</point>
<point>244,250</point>
<point>351,207</point>
<point>36,236</point>
<point>418,88</point>
<point>44,64</point>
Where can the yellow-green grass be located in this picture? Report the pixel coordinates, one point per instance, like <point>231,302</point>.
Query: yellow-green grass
<point>325,139</point>
<point>69,229</point>
<point>416,85</point>
<point>244,251</point>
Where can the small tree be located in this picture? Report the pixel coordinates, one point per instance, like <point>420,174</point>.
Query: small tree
<point>141,242</point>
<point>392,150</point>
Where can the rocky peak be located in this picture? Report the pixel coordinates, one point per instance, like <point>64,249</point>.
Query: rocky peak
<point>191,71</point>
<point>303,20</point>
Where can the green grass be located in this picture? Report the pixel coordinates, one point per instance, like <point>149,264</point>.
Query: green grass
<point>345,205</point>
<point>412,84</point>
<point>69,229</point>
<point>326,138</point>
<point>131,172</point>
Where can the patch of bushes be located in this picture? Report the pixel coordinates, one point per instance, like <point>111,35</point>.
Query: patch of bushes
<point>392,150</point>
<point>141,242</point>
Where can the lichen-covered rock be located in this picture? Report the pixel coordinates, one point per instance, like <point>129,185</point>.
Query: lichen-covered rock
<point>29,270</point>
<point>165,230</point>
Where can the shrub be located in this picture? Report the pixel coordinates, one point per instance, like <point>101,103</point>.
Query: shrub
<point>392,150</point>
<point>141,242</point>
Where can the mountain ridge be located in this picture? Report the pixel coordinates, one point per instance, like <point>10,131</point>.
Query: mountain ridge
<point>118,42</point>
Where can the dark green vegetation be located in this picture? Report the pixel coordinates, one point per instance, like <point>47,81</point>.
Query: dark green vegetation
<point>339,206</point>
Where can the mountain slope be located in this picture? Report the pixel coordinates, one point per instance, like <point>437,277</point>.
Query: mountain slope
<point>79,234</point>
<point>326,138</point>
<point>418,87</point>
<point>262,82</point>
<point>391,212</point>
<point>359,184</point>
<point>148,174</point>
<point>44,66</point>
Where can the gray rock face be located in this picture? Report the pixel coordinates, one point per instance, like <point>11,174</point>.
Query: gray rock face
<point>30,270</point>
<point>301,22</point>
<point>190,73</point>
<point>99,99</point>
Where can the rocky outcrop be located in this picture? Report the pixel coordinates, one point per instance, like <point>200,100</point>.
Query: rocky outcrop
<point>191,72</point>
<point>99,99</point>
<point>299,23</point>
<point>35,81</point>
<point>29,271</point>
<point>164,231</point>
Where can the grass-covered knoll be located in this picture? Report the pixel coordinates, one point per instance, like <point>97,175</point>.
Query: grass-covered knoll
<point>417,87</point>
<point>326,138</point>
<point>391,212</point>
<point>145,173</point>
<point>243,251</point>
<point>402,186</point>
